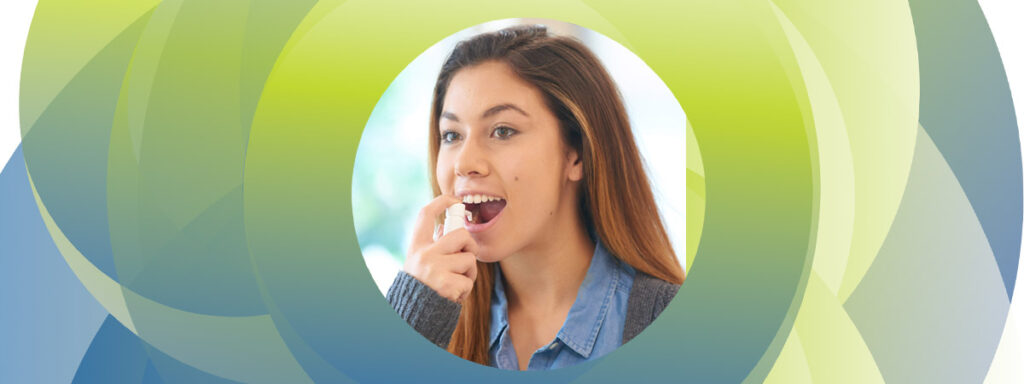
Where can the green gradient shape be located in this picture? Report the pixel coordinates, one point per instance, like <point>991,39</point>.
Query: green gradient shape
<point>66,149</point>
<point>175,186</point>
<point>64,37</point>
<point>872,70</point>
<point>158,240</point>
<point>695,195</point>
<point>791,367</point>
<point>835,175</point>
<point>833,348</point>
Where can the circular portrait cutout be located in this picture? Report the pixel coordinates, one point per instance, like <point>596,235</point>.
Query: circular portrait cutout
<point>518,194</point>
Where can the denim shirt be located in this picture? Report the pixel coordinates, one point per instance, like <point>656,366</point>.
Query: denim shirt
<point>592,329</point>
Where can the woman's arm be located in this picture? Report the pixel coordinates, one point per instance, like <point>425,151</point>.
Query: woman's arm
<point>647,299</point>
<point>430,314</point>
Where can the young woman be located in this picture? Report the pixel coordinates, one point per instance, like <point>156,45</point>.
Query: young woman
<point>564,257</point>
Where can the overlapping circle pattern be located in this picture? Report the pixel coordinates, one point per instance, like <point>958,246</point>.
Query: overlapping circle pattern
<point>853,187</point>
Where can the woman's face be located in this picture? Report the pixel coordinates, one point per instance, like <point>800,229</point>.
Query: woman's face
<point>500,141</point>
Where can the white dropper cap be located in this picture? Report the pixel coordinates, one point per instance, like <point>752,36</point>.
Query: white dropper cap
<point>454,217</point>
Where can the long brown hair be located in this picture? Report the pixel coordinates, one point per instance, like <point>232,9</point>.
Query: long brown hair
<point>616,201</point>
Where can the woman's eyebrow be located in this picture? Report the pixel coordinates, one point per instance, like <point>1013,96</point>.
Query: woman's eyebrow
<point>449,116</point>
<point>502,107</point>
<point>489,112</point>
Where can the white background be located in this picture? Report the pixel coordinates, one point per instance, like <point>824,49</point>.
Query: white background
<point>14,21</point>
<point>1004,18</point>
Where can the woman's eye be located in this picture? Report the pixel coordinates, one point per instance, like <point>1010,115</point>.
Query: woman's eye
<point>449,136</point>
<point>504,132</point>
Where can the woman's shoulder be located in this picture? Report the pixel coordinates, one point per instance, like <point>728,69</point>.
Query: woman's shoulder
<point>647,299</point>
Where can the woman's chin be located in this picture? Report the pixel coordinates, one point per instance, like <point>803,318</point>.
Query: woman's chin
<point>488,256</point>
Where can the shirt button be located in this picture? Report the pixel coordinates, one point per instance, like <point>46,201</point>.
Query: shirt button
<point>553,346</point>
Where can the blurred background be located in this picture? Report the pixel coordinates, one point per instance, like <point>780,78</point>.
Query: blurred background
<point>390,182</point>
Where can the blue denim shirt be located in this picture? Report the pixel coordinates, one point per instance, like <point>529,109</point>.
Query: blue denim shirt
<point>592,329</point>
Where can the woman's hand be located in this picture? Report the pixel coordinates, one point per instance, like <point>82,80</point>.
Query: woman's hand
<point>447,265</point>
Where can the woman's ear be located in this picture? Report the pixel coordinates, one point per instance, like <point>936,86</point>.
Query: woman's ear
<point>575,165</point>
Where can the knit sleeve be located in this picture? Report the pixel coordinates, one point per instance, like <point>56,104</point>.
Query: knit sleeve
<point>430,314</point>
<point>647,299</point>
<point>666,293</point>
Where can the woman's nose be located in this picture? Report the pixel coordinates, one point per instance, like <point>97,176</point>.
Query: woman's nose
<point>471,160</point>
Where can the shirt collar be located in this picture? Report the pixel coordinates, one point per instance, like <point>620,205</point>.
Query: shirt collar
<point>581,327</point>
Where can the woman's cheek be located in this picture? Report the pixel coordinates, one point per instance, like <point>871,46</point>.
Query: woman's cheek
<point>444,173</point>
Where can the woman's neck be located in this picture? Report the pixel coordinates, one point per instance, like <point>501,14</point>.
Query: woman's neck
<point>547,276</point>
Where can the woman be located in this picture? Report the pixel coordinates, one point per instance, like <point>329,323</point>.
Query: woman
<point>563,257</point>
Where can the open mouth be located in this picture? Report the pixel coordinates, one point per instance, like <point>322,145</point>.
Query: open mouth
<point>481,209</point>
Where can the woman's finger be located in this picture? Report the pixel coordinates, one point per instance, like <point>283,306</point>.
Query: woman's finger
<point>464,263</point>
<point>423,233</point>
<point>457,241</point>
<point>461,286</point>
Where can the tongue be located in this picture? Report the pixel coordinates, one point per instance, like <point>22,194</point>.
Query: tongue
<point>490,209</point>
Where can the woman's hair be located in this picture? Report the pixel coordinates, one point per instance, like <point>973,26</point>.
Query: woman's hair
<point>615,202</point>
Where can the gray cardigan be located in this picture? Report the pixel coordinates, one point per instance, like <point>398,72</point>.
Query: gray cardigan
<point>434,316</point>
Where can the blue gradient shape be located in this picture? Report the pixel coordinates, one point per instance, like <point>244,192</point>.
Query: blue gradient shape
<point>117,355</point>
<point>967,110</point>
<point>47,318</point>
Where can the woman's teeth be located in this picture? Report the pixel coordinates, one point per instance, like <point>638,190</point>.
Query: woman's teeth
<point>477,199</point>
<point>475,204</point>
